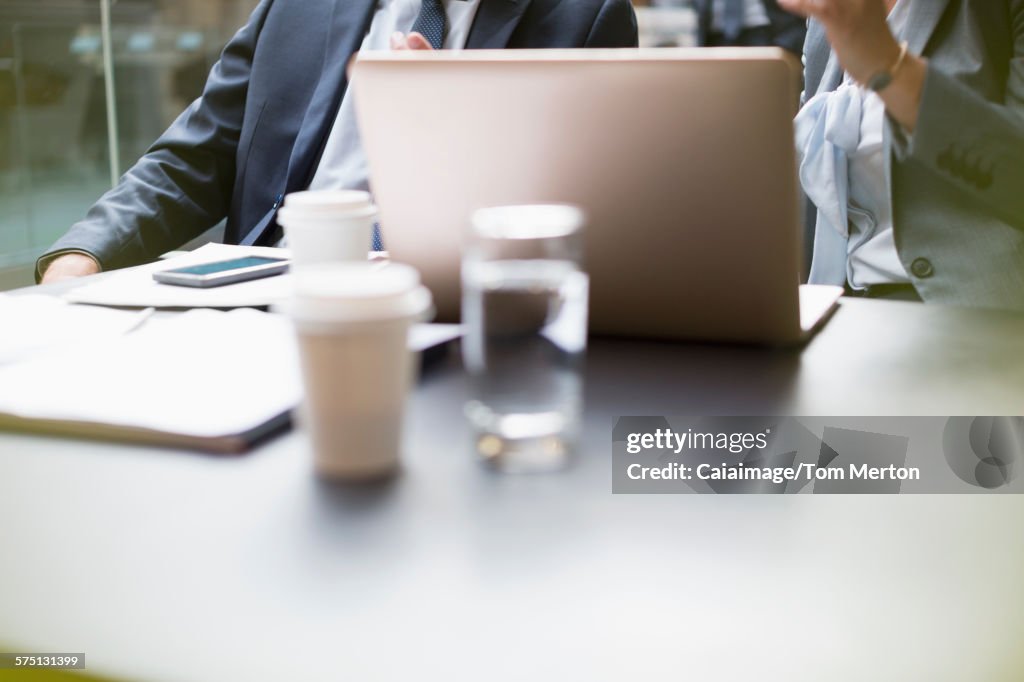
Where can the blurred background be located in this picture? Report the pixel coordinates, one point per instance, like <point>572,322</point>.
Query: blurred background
<point>63,61</point>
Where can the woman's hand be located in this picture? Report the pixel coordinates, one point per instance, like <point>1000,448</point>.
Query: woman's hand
<point>859,34</point>
<point>857,30</point>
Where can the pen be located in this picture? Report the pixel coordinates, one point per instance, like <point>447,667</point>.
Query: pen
<point>140,320</point>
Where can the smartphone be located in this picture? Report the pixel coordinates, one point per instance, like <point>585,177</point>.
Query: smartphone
<point>223,272</point>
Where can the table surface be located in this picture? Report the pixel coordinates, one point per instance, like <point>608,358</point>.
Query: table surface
<point>165,565</point>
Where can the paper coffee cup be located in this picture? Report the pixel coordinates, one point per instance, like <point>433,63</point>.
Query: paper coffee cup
<point>328,226</point>
<point>352,322</point>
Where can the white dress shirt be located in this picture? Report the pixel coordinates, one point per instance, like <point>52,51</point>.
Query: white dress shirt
<point>873,258</point>
<point>844,170</point>
<point>343,165</point>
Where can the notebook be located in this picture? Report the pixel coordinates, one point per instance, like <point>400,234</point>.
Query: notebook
<point>204,380</point>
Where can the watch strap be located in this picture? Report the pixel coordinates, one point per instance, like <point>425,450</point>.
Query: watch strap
<point>883,79</point>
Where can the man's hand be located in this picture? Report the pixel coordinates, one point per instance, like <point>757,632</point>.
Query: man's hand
<point>413,41</point>
<point>858,31</point>
<point>70,266</point>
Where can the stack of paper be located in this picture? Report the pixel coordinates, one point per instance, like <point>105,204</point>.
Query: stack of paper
<point>135,287</point>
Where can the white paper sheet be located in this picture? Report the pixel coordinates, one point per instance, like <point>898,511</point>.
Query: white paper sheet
<point>31,324</point>
<point>135,287</point>
<point>424,336</point>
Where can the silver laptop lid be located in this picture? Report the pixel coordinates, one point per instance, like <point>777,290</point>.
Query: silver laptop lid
<point>683,160</point>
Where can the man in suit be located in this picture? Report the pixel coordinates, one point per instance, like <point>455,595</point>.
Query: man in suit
<point>948,226</point>
<point>749,23</point>
<point>274,117</point>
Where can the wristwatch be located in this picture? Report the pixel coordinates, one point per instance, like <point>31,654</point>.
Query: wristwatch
<point>883,79</point>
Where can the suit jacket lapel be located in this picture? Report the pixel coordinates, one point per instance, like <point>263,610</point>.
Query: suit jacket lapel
<point>494,23</point>
<point>820,69</point>
<point>350,21</point>
<point>922,20</point>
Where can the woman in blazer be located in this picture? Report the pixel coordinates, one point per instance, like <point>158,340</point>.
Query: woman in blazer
<point>912,147</point>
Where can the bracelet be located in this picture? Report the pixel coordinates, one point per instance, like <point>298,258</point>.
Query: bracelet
<point>883,79</point>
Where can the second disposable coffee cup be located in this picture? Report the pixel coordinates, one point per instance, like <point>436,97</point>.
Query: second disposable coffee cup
<point>328,226</point>
<point>353,323</point>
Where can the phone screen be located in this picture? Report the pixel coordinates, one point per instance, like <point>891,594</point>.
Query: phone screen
<point>224,266</point>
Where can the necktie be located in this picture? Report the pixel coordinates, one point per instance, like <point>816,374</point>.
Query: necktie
<point>432,23</point>
<point>732,22</point>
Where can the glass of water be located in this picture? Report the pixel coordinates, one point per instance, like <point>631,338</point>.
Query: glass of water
<point>524,308</point>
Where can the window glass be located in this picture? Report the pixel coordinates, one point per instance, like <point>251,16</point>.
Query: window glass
<point>55,146</point>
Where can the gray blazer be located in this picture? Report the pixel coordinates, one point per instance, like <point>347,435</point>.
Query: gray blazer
<point>259,128</point>
<point>958,183</point>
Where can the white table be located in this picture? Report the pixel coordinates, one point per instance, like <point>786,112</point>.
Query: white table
<point>162,565</point>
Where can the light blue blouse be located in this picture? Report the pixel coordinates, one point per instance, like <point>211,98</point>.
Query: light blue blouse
<point>844,151</point>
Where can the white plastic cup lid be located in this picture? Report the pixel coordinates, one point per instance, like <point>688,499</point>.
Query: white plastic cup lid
<point>329,199</point>
<point>357,292</point>
<point>326,204</point>
<point>292,219</point>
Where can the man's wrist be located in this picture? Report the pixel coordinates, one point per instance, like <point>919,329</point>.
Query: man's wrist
<point>46,260</point>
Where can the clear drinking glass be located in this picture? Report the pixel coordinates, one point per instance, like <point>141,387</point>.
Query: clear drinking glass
<point>524,308</point>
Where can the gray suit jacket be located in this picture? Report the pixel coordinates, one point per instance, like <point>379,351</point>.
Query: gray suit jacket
<point>259,128</point>
<point>958,184</point>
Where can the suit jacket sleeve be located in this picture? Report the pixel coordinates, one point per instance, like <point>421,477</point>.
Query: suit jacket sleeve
<point>615,26</point>
<point>973,143</point>
<point>183,184</point>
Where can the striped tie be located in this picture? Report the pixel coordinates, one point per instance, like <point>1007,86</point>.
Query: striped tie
<point>432,23</point>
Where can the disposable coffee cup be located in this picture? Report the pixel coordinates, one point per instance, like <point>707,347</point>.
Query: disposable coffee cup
<point>352,321</point>
<point>328,226</point>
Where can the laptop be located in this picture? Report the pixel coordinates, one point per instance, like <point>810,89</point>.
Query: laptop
<point>683,160</point>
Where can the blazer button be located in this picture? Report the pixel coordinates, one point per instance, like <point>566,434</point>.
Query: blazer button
<point>922,268</point>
